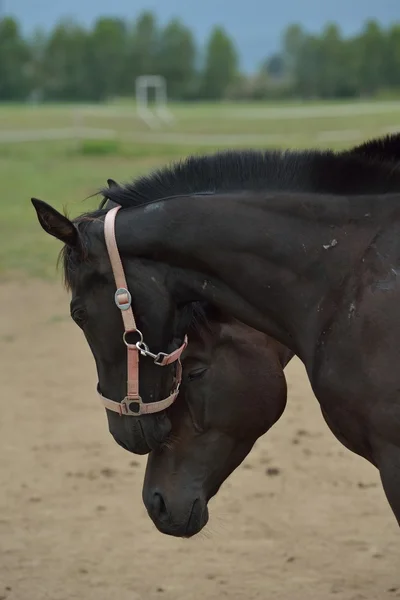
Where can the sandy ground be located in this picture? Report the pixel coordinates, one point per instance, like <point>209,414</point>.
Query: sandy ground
<point>72,522</point>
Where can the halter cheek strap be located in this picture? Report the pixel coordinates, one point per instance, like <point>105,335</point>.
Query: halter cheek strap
<point>133,404</point>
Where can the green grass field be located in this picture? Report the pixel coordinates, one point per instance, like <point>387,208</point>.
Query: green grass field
<point>97,142</point>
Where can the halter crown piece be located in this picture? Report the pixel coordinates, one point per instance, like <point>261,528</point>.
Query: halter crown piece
<point>133,405</point>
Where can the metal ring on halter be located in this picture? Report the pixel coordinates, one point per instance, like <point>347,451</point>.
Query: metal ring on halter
<point>140,334</point>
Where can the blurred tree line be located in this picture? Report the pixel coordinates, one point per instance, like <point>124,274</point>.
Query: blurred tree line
<point>73,63</point>
<point>331,66</point>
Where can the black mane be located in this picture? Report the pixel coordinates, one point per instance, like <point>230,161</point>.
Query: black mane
<point>369,168</point>
<point>362,170</point>
<point>386,149</point>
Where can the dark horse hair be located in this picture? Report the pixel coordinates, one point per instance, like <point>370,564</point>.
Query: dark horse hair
<point>385,149</point>
<point>361,169</point>
<point>257,170</point>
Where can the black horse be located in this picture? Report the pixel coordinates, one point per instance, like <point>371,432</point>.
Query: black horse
<point>233,391</point>
<point>281,275</point>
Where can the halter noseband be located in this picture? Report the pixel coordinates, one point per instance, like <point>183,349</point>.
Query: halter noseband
<point>133,405</point>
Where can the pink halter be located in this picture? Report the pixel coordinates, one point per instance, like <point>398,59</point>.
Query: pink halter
<point>133,404</point>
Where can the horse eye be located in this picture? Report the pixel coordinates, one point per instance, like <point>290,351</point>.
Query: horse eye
<point>79,316</point>
<point>197,373</point>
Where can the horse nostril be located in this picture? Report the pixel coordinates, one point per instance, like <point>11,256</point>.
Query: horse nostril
<point>159,507</point>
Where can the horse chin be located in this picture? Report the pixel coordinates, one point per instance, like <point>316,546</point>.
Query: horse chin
<point>139,435</point>
<point>197,520</point>
<point>140,447</point>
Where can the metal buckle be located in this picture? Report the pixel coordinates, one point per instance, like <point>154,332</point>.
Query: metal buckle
<point>143,348</point>
<point>123,292</point>
<point>175,391</point>
<point>159,358</point>
<point>132,407</point>
<point>145,351</point>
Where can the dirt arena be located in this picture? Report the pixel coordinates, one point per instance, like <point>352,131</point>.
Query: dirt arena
<point>72,522</point>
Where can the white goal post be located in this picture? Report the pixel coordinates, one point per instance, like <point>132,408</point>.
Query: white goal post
<point>160,111</point>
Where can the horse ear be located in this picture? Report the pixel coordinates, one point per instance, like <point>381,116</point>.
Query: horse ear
<point>55,223</point>
<point>106,202</point>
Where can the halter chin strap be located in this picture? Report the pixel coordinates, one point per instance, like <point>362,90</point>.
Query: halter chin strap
<point>133,404</point>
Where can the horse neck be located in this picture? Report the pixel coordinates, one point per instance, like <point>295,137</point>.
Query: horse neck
<point>274,261</point>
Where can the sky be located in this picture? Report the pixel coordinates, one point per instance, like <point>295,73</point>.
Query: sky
<point>255,25</point>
